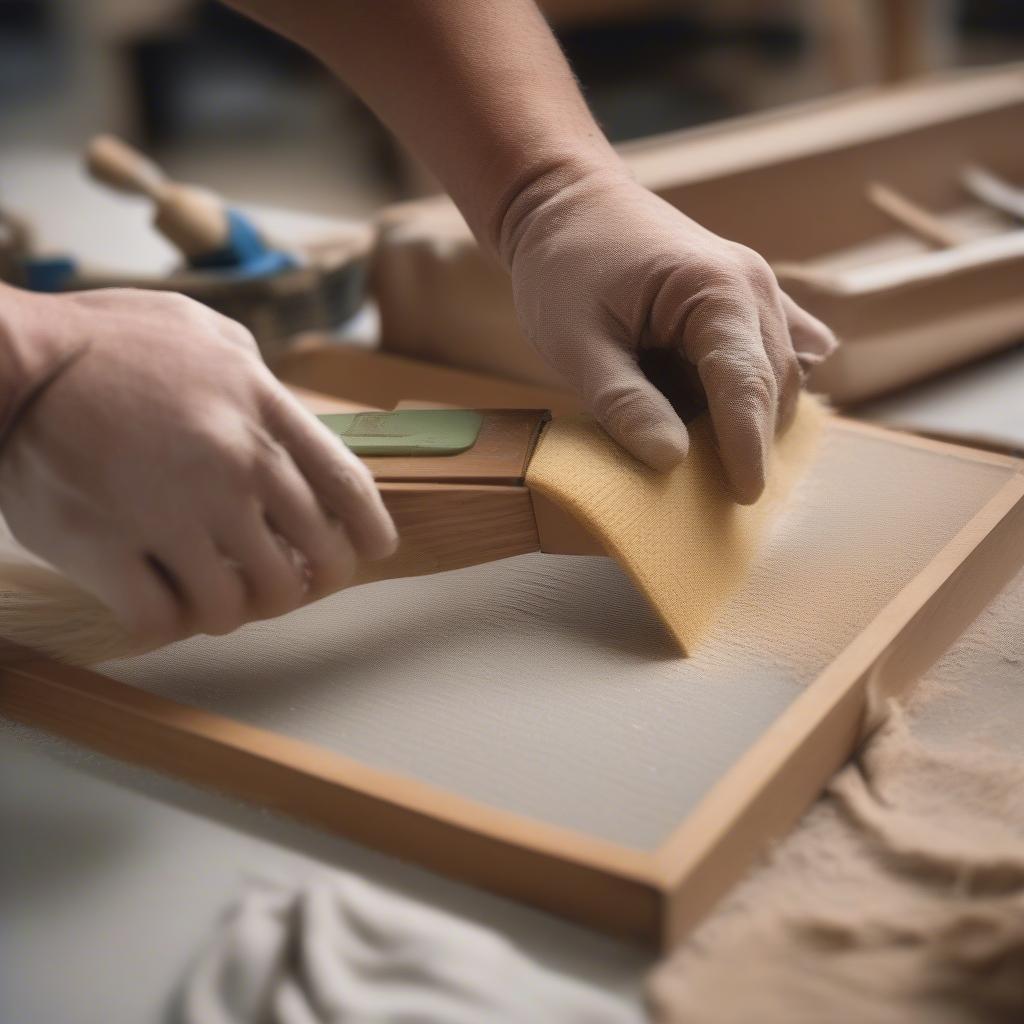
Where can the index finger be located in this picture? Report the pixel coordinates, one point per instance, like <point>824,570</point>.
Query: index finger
<point>337,477</point>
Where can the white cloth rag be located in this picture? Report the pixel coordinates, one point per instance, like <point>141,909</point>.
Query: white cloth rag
<point>334,949</point>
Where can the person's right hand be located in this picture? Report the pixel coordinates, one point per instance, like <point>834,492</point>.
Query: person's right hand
<point>167,471</point>
<point>602,269</point>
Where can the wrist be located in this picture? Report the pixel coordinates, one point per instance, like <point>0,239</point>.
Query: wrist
<point>31,328</point>
<point>30,346</point>
<point>15,371</point>
<point>548,192</point>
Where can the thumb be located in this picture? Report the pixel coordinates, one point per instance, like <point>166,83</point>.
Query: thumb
<point>629,407</point>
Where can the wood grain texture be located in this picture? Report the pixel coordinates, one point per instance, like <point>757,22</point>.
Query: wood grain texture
<point>450,526</point>
<point>383,380</point>
<point>559,532</point>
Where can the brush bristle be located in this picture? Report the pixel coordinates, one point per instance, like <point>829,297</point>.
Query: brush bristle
<point>41,610</point>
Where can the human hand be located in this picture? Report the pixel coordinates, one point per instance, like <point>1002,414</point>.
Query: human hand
<point>602,269</point>
<point>166,470</point>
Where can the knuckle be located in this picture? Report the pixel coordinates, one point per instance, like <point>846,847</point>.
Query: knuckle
<point>741,273</point>
<point>619,405</point>
<point>740,378</point>
<point>758,268</point>
<point>717,277</point>
<point>348,477</point>
<point>265,454</point>
<point>244,335</point>
<point>759,386</point>
<point>234,452</point>
<point>751,264</point>
<point>176,304</point>
<point>280,409</point>
<point>237,332</point>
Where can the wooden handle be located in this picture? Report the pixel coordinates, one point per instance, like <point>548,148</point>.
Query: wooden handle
<point>451,526</point>
<point>993,191</point>
<point>908,214</point>
<point>123,168</point>
<point>191,219</point>
<point>457,510</point>
<point>442,527</point>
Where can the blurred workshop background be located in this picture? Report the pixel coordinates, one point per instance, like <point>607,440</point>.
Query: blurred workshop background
<point>220,101</point>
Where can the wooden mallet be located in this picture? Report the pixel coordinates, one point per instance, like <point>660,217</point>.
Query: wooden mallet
<point>210,234</point>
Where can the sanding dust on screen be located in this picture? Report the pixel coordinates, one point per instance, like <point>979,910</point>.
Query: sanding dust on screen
<point>546,686</point>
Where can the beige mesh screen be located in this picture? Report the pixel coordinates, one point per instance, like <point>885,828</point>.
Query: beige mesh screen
<point>545,685</point>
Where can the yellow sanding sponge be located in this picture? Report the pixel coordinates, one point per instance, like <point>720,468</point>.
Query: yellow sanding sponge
<point>680,535</point>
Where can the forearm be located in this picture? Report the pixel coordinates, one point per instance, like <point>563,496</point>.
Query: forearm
<point>601,269</point>
<point>478,89</point>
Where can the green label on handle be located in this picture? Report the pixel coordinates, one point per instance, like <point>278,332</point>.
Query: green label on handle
<point>407,432</point>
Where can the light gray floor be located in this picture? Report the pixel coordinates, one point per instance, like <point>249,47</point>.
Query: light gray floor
<point>110,877</point>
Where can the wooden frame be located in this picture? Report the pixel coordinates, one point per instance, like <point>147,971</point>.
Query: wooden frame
<point>765,181</point>
<point>654,897</point>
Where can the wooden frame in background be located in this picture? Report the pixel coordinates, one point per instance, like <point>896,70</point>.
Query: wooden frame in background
<point>793,184</point>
